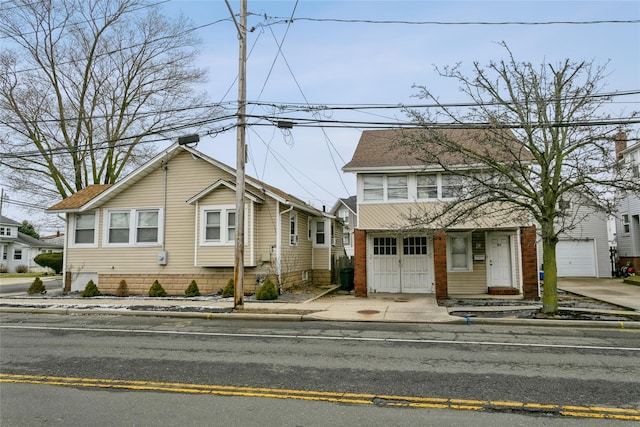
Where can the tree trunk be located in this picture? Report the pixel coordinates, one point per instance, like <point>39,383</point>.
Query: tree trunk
<point>550,293</point>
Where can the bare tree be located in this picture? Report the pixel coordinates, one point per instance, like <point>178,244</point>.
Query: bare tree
<point>563,153</point>
<point>84,83</point>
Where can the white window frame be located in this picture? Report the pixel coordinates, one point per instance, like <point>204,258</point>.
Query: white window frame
<point>436,176</point>
<point>626,223</point>
<point>396,187</point>
<point>346,239</point>
<point>132,240</point>
<point>293,228</point>
<point>373,188</point>
<point>469,253</point>
<point>17,251</point>
<point>74,229</point>
<point>459,185</point>
<point>225,227</point>
<point>317,232</point>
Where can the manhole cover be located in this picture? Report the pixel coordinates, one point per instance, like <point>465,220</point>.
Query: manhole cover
<point>368,311</point>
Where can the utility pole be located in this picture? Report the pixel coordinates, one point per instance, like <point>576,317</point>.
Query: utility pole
<point>238,270</point>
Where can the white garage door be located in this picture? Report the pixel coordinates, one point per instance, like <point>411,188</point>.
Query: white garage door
<point>401,265</point>
<point>576,258</point>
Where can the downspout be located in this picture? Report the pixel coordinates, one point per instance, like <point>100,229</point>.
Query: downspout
<point>165,167</point>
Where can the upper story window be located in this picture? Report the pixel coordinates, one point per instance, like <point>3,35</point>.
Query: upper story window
<point>427,186</point>
<point>626,227</point>
<point>84,229</point>
<point>381,187</point>
<point>634,163</point>
<point>320,233</point>
<point>293,228</point>
<point>451,186</point>
<point>344,215</point>
<point>132,227</point>
<point>5,231</point>
<point>218,225</point>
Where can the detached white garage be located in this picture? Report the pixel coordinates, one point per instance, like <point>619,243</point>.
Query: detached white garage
<point>576,258</point>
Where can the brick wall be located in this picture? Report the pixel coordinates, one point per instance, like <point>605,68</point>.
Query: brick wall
<point>360,263</point>
<point>529,262</point>
<point>440,264</point>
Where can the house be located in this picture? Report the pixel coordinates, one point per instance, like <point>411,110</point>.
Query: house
<point>173,220</point>
<point>491,254</point>
<point>628,206</point>
<point>346,211</point>
<point>18,250</point>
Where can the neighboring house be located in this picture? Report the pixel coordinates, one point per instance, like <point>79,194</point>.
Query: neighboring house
<point>57,238</point>
<point>628,207</point>
<point>18,249</point>
<point>173,220</point>
<point>583,249</point>
<point>487,255</point>
<point>346,210</point>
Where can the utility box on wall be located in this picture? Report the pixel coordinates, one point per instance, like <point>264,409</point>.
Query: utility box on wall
<point>162,258</point>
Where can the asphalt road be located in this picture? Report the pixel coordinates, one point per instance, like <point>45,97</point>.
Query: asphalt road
<point>511,375</point>
<point>22,287</point>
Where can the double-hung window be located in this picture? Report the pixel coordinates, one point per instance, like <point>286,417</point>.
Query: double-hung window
<point>373,188</point>
<point>17,254</point>
<point>293,228</point>
<point>397,187</point>
<point>427,186</point>
<point>133,227</point>
<point>451,186</point>
<point>84,231</point>
<point>459,256</point>
<point>320,233</point>
<point>219,225</point>
<point>626,227</point>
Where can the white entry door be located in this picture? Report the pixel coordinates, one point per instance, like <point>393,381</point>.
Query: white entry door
<point>500,269</point>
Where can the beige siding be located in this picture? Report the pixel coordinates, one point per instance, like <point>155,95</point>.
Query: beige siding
<point>389,216</point>
<point>473,282</point>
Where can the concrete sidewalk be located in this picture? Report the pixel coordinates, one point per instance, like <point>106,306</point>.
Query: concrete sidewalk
<point>405,308</point>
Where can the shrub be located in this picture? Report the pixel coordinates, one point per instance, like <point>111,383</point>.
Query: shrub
<point>192,290</point>
<point>4,269</point>
<point>157,290</point>
<point>91,290</point>
<point>51,260</point>
<point>22,268</point>
<point>229,290</point>
<point>122,290</point>
<point>267,291</point>
<point>37,287</point>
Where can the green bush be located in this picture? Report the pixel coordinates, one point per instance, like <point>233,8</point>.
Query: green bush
<point>192,290</point>
<point>157,290</point>
<point>22,269</point>
<point>37,287</point>
<point>229,290</point>
<point>91,290</point>
<point>122,290</point>
<point>51,260</point>
<point>267,291</point>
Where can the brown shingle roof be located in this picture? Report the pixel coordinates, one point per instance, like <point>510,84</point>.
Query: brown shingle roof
<point>385,148</point>
<point>80,198</point>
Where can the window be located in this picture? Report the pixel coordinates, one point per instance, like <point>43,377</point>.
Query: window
<point>132,227</point>
<point>459,252</point>
<point>397,188</point>
<point>320,235</point>
<point>147,230</point>
<point>219,225</point>
<point>373,187</point>
<point>4,252</point>
<point>344,215</point>
<point>17,254</point>
<point>346,239</point>
<point>293,228</point>
<point>5,231</point>
<point>84,229</point>
<point>385,246</point>
<point>625,224</point>
<point>414,246</point>
<point>427,186</point>
<point>119,227</point>
<point>451,186</point>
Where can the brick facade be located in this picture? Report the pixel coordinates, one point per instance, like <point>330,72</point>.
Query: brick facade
<point>529,262</point>
<point>440,264</point>
<point>360,263</point>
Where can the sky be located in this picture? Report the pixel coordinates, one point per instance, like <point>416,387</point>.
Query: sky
<point>360,61</point>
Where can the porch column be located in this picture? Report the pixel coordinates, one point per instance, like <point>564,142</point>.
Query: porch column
<point>360,263</point>
<point>440,264</point>
<point>529,262</point>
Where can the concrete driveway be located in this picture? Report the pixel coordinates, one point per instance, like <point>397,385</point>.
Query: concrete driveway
<point>613,291</point>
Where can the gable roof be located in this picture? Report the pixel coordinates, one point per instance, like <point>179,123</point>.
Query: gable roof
<point>8,221</point>
<point>93,196</point>
<point>383,149</point>
<point>77,200</point>
<point>30,241</point>
<point>350,202</point>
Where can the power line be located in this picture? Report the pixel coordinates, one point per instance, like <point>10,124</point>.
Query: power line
<point>402,22</point>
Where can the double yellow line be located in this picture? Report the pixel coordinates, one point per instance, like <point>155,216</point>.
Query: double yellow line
<point>350,398</point>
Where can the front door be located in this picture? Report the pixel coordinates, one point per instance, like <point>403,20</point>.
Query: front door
<point>500,268</point>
